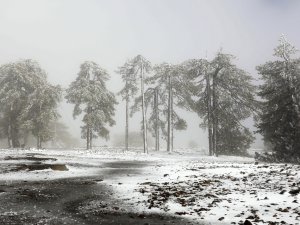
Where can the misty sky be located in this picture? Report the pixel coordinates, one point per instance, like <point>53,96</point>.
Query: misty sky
<point>61,34</point>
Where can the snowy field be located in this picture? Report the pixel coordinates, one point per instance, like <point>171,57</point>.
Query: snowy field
<point>204,190</point>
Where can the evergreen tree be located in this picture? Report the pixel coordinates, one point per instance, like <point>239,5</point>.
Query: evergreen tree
<point>130,89</point>
<point>168,91</point>
<point>91,97</point>
<point>279,120</point>
<point>224,98</point>
<point>140,67</point>
<point>21,85</point>
<point>41,111</point>
<point>155,107</point>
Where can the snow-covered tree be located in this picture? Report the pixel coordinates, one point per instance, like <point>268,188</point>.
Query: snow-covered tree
<point>128,92</point>
<point>168,90</point>
<point>140,67</point>
<point>153,107</point>
<point>41,111</point>
<point>20,84</point>
<point>223,97</point>
<point>279,120</point>
<point>91,97</point>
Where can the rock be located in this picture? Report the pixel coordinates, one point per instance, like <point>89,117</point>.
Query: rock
<point>247,222</point>
<point>251,217</point>
<point>98,180</point>
<point>142,216</point>
<point>221,218</point>
<point>282,192</point>
<point>294,191</point>
<point>59,167</point>
<point>201,209</point>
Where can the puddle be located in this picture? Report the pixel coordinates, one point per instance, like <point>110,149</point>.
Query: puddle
<point>30,158</point>
<point>32,167</point>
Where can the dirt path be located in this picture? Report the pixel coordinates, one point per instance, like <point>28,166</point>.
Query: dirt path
<point>74,201</point>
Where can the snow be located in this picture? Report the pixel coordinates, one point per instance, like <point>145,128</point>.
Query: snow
<point>231,187</point>
<point>79,162</point>
<point>243,198</point>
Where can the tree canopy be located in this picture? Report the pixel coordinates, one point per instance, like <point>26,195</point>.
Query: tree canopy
<point>224,96</point>
<point>92,99</point>
<point>29,103</point>
<point>279,120</point>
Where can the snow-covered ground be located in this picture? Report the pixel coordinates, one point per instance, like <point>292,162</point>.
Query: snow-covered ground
<point>223,190</point>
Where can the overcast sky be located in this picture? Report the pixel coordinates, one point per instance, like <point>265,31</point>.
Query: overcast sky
<point>61,34</point>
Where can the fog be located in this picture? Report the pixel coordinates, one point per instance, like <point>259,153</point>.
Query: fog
<point>61,34</point>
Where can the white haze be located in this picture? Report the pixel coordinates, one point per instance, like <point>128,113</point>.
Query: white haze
<point>61,34</point>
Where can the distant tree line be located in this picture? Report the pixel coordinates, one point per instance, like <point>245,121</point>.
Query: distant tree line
<point>219,92</point>
<point>222,94</point>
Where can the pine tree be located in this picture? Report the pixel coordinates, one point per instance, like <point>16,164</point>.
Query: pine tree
<point>91,97</point>
<point>20,82</point>
<point>140,66</point>
<point>169,89</point>
<point>129,91</point>
<point>279,120</point>
<point>152,107</point>
<point>41,111</point>
<point>224,98</point>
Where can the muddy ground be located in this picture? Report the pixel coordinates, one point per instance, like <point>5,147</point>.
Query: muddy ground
<point>74,201</point>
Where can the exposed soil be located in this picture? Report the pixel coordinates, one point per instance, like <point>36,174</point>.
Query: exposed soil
<point>76,201</point>
<point>30,158</point>
<point>37,166</point>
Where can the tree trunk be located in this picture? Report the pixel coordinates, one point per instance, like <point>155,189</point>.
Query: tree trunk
<point>54,139</point>
<point>156,119</point>
<point>38,142</point>
<point>15,137</point>
<point>210,138</point>
<point>9,132</point>
<point>9,142</point>
<point>25,140</point>
<point>158,122</point>
<point>13,132</point>
<point>127,123</point>
<point>172,121</point>
<point>91,138</point>
<point>143,112</point>
<point>215,116</point>
<point>88,137</point>
<point>169,115</point>
<point>88,129</point>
